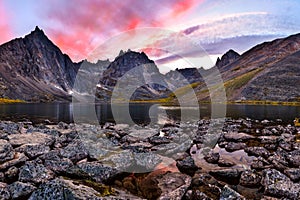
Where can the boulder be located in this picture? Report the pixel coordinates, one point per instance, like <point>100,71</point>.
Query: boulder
<point>19,190</point>
<point>34,172</point>
<point>75,151</point>
<point>98,171</point>
<point>278,185</point>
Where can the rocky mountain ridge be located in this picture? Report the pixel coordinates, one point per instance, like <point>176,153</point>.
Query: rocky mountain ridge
<point>34,69</point>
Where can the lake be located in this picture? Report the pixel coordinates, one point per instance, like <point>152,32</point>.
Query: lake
<point>55,112</point>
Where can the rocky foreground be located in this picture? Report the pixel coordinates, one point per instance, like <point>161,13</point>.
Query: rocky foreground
<point>250,160</point>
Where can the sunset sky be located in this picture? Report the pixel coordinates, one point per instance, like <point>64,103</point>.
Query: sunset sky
<point>79,26</point>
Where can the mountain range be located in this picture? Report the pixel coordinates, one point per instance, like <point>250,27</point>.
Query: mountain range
<point>34,69</point>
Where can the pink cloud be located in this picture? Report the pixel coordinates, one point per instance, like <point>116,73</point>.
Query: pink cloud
<point>79,26</point>
<point>5,31</point>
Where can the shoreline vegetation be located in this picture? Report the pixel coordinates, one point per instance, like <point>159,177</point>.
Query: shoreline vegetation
<point>168,102</point>
<point>10,101</point>
<point>241,102</point>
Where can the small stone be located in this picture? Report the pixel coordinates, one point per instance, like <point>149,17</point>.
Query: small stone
<point>12,173</point>
<point>293,158</point>
<point>225,163</point>
<point>233,146</point>
<point>228,193</point>
<point>187,166</point>
<point>293,174</point>
<point>35,150</point>
<point>6,151</point>
<point>260,163</point>
<point>19,158</point>
<point>75,151</point>
<point>257,151</point>
<point>173,185</point>
<point>268,139</point>
<point>62,125</point>
<point>228,175</point>
<point>250,179</point>
<point>2,177</point>
<point>4,193</point>
<point>212,157</point>
<point>237,137</point>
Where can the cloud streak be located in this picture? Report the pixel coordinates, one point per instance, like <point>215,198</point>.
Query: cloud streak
<point>79,26</point>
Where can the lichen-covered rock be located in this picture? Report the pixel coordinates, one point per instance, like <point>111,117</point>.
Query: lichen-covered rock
<point>63,189</point>
<point>6,151</point>
<point>30,138</point>
<point>35,173</point>
<point>55,162</point>
<point>98,171</point>
<point>18,159</point>
<point>294,158</point>
<point>35,150</point>
<point>173,185</point>
<point>229,194</point>
<point>145,162</point>
<point>75,151</point>
<point>195,194</point>
<point>293,174</point>
<point>278,185</point>
<point>20,190</point>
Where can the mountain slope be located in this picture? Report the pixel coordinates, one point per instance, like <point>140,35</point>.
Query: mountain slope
<point>34,69</point>
<point>268,71</point>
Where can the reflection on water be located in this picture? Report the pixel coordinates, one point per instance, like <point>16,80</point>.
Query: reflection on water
<point>139,113</point>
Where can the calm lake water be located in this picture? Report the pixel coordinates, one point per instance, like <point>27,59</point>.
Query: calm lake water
<point>55,112</point>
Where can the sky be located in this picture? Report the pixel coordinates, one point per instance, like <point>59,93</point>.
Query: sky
<point>80,27</point>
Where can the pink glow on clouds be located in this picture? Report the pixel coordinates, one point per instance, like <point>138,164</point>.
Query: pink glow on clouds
<point>81,26</point>
<point>5,31</point>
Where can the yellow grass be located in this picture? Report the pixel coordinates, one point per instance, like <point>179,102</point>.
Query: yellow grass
<point>6,100</point>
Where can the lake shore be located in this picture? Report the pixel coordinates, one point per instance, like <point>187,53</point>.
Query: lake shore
<point>244,159</point>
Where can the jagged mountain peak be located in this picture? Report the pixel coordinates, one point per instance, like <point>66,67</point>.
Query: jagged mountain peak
<point>229,57</point>
<point>35,65</point>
